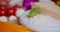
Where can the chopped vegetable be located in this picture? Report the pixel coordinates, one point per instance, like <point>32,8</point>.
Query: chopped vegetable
<point>58,3</point>
<point>34,12</point>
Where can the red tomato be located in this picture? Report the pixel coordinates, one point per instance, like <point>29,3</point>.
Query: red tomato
<point>11,11</point>
<point>3,13</point>
<point>55,0</point>
<point>16,7</point>
<point>3,7</point>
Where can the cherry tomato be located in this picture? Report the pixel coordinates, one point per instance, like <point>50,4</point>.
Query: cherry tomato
<point>3,7</point>
<point>3,13</point>
<point>16,7</point>
<point>55,0</point>
<point>11,11</point>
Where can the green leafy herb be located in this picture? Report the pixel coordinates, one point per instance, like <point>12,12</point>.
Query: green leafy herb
<point>34,12</point>
<point>58,3</point>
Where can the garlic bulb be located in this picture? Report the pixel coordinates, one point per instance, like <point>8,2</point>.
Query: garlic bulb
<point>19,12</point>
<point>13,19</point>
<point>16,2</point>
<point>3,18</point>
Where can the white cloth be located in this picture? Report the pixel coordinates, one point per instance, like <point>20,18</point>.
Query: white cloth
<point>42,23</point>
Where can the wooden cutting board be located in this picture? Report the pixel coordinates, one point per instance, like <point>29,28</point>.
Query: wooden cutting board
<point>48,8</point>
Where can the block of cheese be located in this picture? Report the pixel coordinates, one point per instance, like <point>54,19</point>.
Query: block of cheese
<point>48,8</point>
<point>8,27</point>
